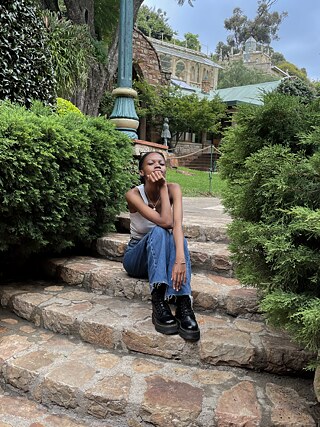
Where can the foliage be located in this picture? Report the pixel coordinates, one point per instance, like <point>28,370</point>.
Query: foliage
<point>26,71</point>
<point>277,58</point>
<point>299,315</point>
<point>65,107</point>
<point>61,179</point>
<point>106,17</point>
<point>271,161</point>
<point>184,112</point>
<point>237,74</point>
<point>264,27</point>
<point>196,183</point>
<point>154,23</point>
<point>72,51</point>
<point>191,41</point>
<point>297,87</point>
<point>293,70</point>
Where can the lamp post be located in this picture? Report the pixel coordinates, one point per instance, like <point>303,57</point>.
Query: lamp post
<point>124,113</point>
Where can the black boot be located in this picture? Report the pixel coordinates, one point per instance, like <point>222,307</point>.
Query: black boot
<point>188,327</point>
<point>162,317</point>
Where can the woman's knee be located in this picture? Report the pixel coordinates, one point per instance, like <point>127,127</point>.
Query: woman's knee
<point>158,231</point>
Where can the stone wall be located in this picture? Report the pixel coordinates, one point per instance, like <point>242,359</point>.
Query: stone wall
<point>146,60</point>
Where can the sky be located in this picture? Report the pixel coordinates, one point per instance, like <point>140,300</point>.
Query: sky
<point>299,32</point>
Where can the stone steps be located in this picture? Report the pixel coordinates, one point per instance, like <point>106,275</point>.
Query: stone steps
<point>209,256</point>
<point>118,390</point>
<point>210,292</point>
<point>123,325</point>
<point>198,229</point>
<point>19,411</point>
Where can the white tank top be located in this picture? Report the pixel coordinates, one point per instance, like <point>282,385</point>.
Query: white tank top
<point>139,225</point>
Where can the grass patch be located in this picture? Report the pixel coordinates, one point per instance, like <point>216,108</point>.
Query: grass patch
<point>196,183</point>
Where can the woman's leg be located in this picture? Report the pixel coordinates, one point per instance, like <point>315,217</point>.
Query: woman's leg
<point>135,260</point>
<point>135,263</point>
<point>161,258</point>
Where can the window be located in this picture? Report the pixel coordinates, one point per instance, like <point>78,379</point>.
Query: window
<point>180,70</point>
<point>166,62</point>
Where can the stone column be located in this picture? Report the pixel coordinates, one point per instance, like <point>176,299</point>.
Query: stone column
<point>124,114</point>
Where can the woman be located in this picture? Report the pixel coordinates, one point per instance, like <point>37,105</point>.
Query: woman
<point>158,250</point>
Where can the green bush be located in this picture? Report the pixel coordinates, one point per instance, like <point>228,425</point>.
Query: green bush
<point>62,179</point>
<point>271,161</point>
<point>65,107</point>
<point>299,314</point>
<point>26,71</point>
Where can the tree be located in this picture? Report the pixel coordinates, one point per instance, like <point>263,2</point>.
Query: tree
<point>185,112</point>
<point>264,27</point>
<point>277,58</point>
<point>237,74</point>
<point>191,41</point>
<point>297,87</point>
<point>26,72</point>
<point>293,70</point>
<point>154,23</point>
<point>101,17</point>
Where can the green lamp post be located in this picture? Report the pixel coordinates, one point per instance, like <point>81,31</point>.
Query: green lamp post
<point>124,113</point>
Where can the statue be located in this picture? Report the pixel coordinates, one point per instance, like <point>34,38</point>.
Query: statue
<point>166,134</point>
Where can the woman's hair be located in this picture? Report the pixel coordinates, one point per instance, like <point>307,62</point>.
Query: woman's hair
<point>142,159</point>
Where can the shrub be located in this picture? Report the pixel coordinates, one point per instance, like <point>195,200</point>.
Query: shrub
<point>62,179</point>
<point>65,107</point>
<point>26,72</point>
<point>297,87</point>
<point>271,161</point>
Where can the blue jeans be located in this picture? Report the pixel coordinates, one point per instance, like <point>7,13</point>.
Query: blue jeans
<point>153,258</point>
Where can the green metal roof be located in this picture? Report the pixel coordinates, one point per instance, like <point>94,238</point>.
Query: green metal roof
<point>250,94</point>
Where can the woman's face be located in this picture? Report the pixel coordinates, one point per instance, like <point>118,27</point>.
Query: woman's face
<point>153,162</point>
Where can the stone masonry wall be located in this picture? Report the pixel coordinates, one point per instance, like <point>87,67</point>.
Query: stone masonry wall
<point>146,60</point>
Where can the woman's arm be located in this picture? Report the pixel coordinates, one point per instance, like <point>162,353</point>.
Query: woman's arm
<point>179,268</point>
<point>164,218</point>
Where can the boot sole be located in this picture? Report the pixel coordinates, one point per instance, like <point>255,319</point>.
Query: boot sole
<point>165,329</point>
<point>188,335</point>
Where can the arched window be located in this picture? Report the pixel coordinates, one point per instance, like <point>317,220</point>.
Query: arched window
<point>166,62</point>
<point>193,76</point>
<point>205,75</point>
<point>180,70</point>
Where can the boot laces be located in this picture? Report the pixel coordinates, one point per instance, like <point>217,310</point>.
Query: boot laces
<point>161,305</point>
<point>186,307</point>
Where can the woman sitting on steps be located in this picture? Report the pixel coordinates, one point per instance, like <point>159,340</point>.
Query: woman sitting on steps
<point>158,250</point>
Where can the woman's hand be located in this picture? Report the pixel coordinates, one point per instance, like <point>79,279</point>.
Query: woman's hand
<point>178,275</point>
<point>156,177</point>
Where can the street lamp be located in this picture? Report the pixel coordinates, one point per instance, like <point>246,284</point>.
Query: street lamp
<point>124,113</point>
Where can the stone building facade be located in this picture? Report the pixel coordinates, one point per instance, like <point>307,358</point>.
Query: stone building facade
<point>255,57</point>
<point>189,66</point>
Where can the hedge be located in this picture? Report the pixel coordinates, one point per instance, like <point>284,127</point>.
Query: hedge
<point>62,179</point>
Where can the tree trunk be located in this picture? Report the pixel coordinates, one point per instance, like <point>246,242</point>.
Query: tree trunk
<point>88,99</point>
<point>51,5</point>
<point>81,12</point>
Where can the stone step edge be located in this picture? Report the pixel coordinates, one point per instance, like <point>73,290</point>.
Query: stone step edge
<point>135,390</point>
<point>126,326</point>
<point>214,257</point>
<point>108,277</point>
<point>202,233</point>
<point>34,414</point>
